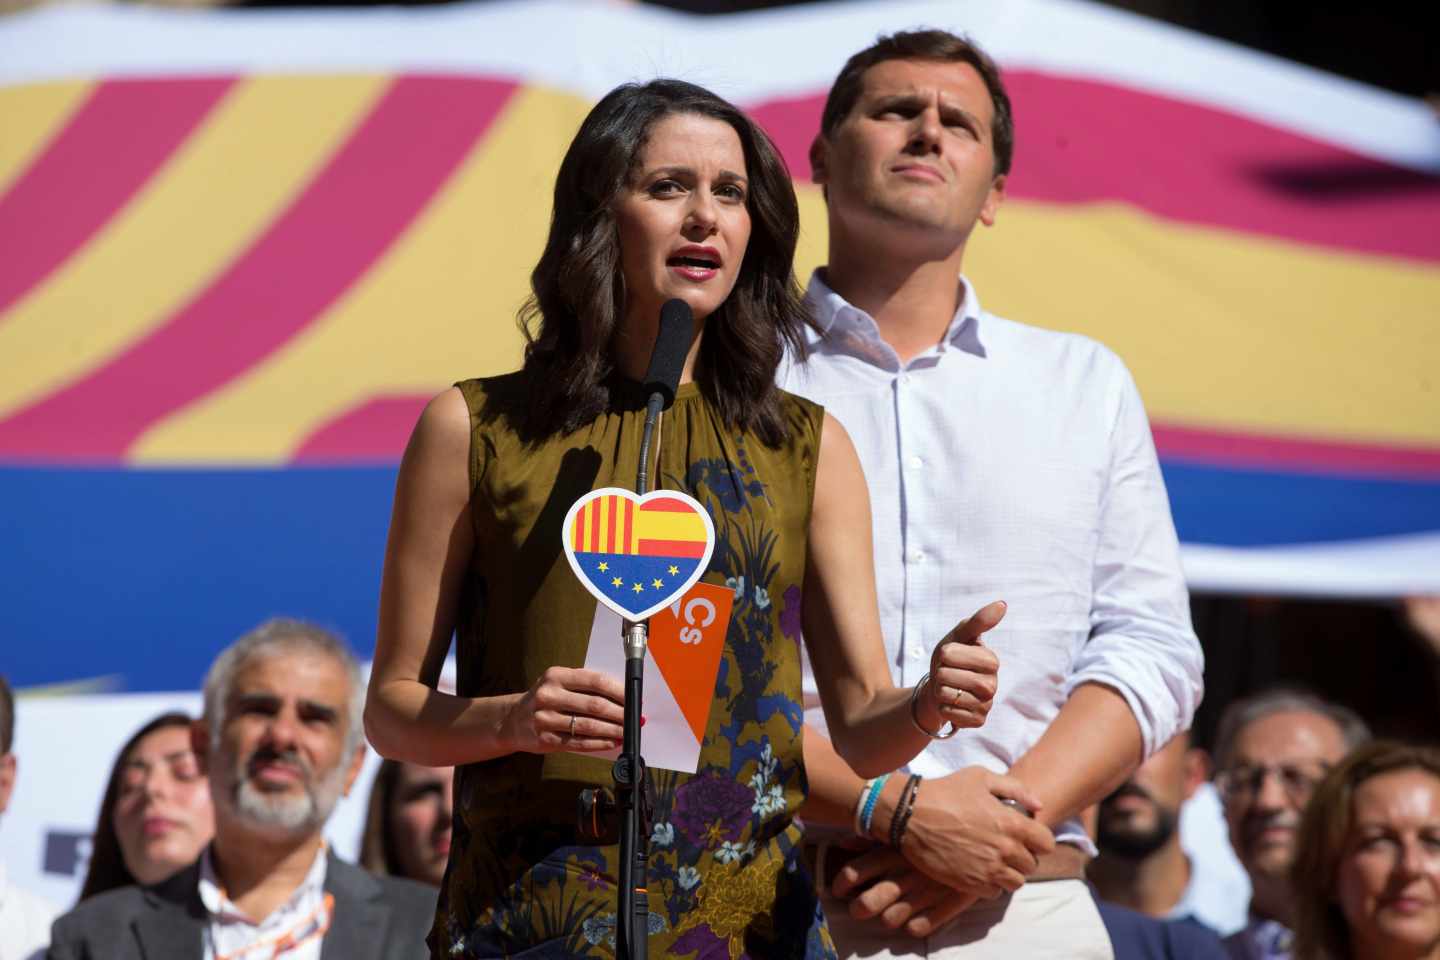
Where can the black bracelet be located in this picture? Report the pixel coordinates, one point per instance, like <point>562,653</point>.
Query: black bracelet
<point>903,809</point>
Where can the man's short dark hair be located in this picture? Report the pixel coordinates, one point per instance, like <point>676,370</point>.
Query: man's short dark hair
<point>925,45</point>
<point>7,716</point>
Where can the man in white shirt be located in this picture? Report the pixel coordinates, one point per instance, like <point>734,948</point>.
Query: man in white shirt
<point>1003,461</point>
<point>281,739</point>
<point>1142,864</point>
<point>24,918</point>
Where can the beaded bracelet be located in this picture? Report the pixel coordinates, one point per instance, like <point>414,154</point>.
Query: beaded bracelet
<point>860,804</point>
<point>942,733</point>
<point>872,799</point>
<point>903,809</point>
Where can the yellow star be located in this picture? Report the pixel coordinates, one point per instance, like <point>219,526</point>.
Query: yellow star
<point>656,583</point>
<point>617,582</point>
<point>674,571</point>
<point>604,566</point>
<point>637,588</point>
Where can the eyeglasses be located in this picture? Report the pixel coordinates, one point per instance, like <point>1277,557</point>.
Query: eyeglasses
<point>1243,783</point>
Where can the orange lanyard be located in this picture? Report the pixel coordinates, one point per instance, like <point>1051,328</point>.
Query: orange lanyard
<point>307,929</point>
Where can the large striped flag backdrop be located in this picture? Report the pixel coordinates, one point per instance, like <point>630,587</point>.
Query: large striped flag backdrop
<point>241,248</point>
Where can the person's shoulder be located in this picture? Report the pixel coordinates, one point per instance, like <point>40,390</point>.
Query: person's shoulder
<point>408,894</point>
<point>1034,340</point>
<point>1137,935</point>
<point>1191,938</point>
<point>506,391</point>
<point>106,911</point>
<point>358,882</point>
<point>795,405</point>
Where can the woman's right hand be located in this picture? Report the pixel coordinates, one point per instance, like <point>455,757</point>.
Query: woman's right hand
<point>582,711</point>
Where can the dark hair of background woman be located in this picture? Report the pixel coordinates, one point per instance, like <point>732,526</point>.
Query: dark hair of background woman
<point>377,844</point>
<point>578,295</point>
<point>1321,931</point>
<point>107,863</point>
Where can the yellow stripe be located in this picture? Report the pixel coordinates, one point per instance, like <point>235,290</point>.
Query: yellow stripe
<point>30,116</point>
<point>206,204</point>
<point>438,306</point>
<point>655,525</point>
<point>1222,329</point>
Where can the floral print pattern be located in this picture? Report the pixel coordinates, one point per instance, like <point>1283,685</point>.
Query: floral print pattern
<point>725,877</point>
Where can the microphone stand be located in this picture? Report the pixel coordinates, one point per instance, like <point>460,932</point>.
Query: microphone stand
<point>632,915</point>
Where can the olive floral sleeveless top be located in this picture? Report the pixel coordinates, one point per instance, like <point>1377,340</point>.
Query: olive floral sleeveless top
<point>726,879</point>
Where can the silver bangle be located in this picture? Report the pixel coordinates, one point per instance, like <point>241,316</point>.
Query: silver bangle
<point>942,734</point>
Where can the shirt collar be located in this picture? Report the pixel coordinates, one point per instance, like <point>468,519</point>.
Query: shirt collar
<point>219,906</point>
<point>837,319</point>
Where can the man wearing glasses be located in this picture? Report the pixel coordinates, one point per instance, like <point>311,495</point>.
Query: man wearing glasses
<point>1271,750</point>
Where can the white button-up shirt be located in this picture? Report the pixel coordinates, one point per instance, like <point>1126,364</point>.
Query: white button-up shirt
<point>293,931</point>
<point>1011,463</point>
<point>24,921</point>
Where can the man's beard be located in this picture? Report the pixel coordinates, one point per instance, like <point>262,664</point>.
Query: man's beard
<point>1127,842</point>
<point>286,812</point>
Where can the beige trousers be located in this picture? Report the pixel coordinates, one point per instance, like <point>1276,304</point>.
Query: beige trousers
<point>1047,920</point>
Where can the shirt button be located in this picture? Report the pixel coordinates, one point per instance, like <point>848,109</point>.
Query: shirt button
<point>916,651</point>
<point>916,463</point>
<point>917,556</point>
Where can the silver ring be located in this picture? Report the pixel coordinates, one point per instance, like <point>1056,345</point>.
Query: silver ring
<point>572,726</point>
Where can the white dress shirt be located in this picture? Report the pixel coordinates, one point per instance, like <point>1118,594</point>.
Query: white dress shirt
<point>24,921</point>
<point>1011,463</point>
<point>293,931</point>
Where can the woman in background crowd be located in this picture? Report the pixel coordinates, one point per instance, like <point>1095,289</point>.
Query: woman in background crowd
<point>1367,871</point>
<point>407,823</point>
<point>156,816</point>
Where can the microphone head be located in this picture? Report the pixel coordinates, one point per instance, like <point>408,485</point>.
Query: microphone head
<point>672,343</point>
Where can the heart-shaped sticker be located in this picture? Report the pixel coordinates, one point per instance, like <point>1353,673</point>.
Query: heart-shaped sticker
<point>637,554</point>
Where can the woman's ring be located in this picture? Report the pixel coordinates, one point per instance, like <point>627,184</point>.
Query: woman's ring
<point>572,726</point>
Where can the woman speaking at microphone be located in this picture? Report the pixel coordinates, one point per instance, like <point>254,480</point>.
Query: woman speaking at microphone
<point>667,191</point>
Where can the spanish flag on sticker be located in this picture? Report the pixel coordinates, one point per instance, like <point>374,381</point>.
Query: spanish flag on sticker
<point>637,553</point>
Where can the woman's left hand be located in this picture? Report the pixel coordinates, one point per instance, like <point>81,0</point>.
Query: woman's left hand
<point>964,673</point>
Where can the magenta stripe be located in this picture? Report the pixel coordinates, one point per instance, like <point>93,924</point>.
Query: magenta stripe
<point>356,207</point>
<point>1238,450</point>
<point>374,432</point>
<point>110,146</point>
<point>1083,140</point>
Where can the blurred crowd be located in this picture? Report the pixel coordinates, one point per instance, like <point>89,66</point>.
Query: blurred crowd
<point>1338,832</point>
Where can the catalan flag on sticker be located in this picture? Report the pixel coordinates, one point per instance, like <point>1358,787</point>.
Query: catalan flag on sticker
<point>637,554</point>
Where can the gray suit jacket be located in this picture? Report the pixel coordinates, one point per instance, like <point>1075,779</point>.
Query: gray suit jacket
<point>376,918</point>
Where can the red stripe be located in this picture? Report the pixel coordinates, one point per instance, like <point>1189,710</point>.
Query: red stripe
<point>667,505</point>
<point>594,507</point>
<point>610,523</point>
<point>1080,141</point>
<point>629,544</point>
<point>357,205</point>
<point>671,548</point>
<point>1240,450</point>
<point>112,144</point>
<point>374,432</point>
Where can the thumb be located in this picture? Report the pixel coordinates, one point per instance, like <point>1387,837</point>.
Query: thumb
<point>1009,788</point>
<point>971,629</point>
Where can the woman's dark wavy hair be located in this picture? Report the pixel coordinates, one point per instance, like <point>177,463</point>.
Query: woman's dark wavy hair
<point>578,298</point>
<point>107,869</point>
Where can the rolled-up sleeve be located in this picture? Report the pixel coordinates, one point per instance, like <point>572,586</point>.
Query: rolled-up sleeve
<point>1141,641</point>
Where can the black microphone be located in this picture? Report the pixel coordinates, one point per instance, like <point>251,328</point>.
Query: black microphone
<point>667,359</point>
